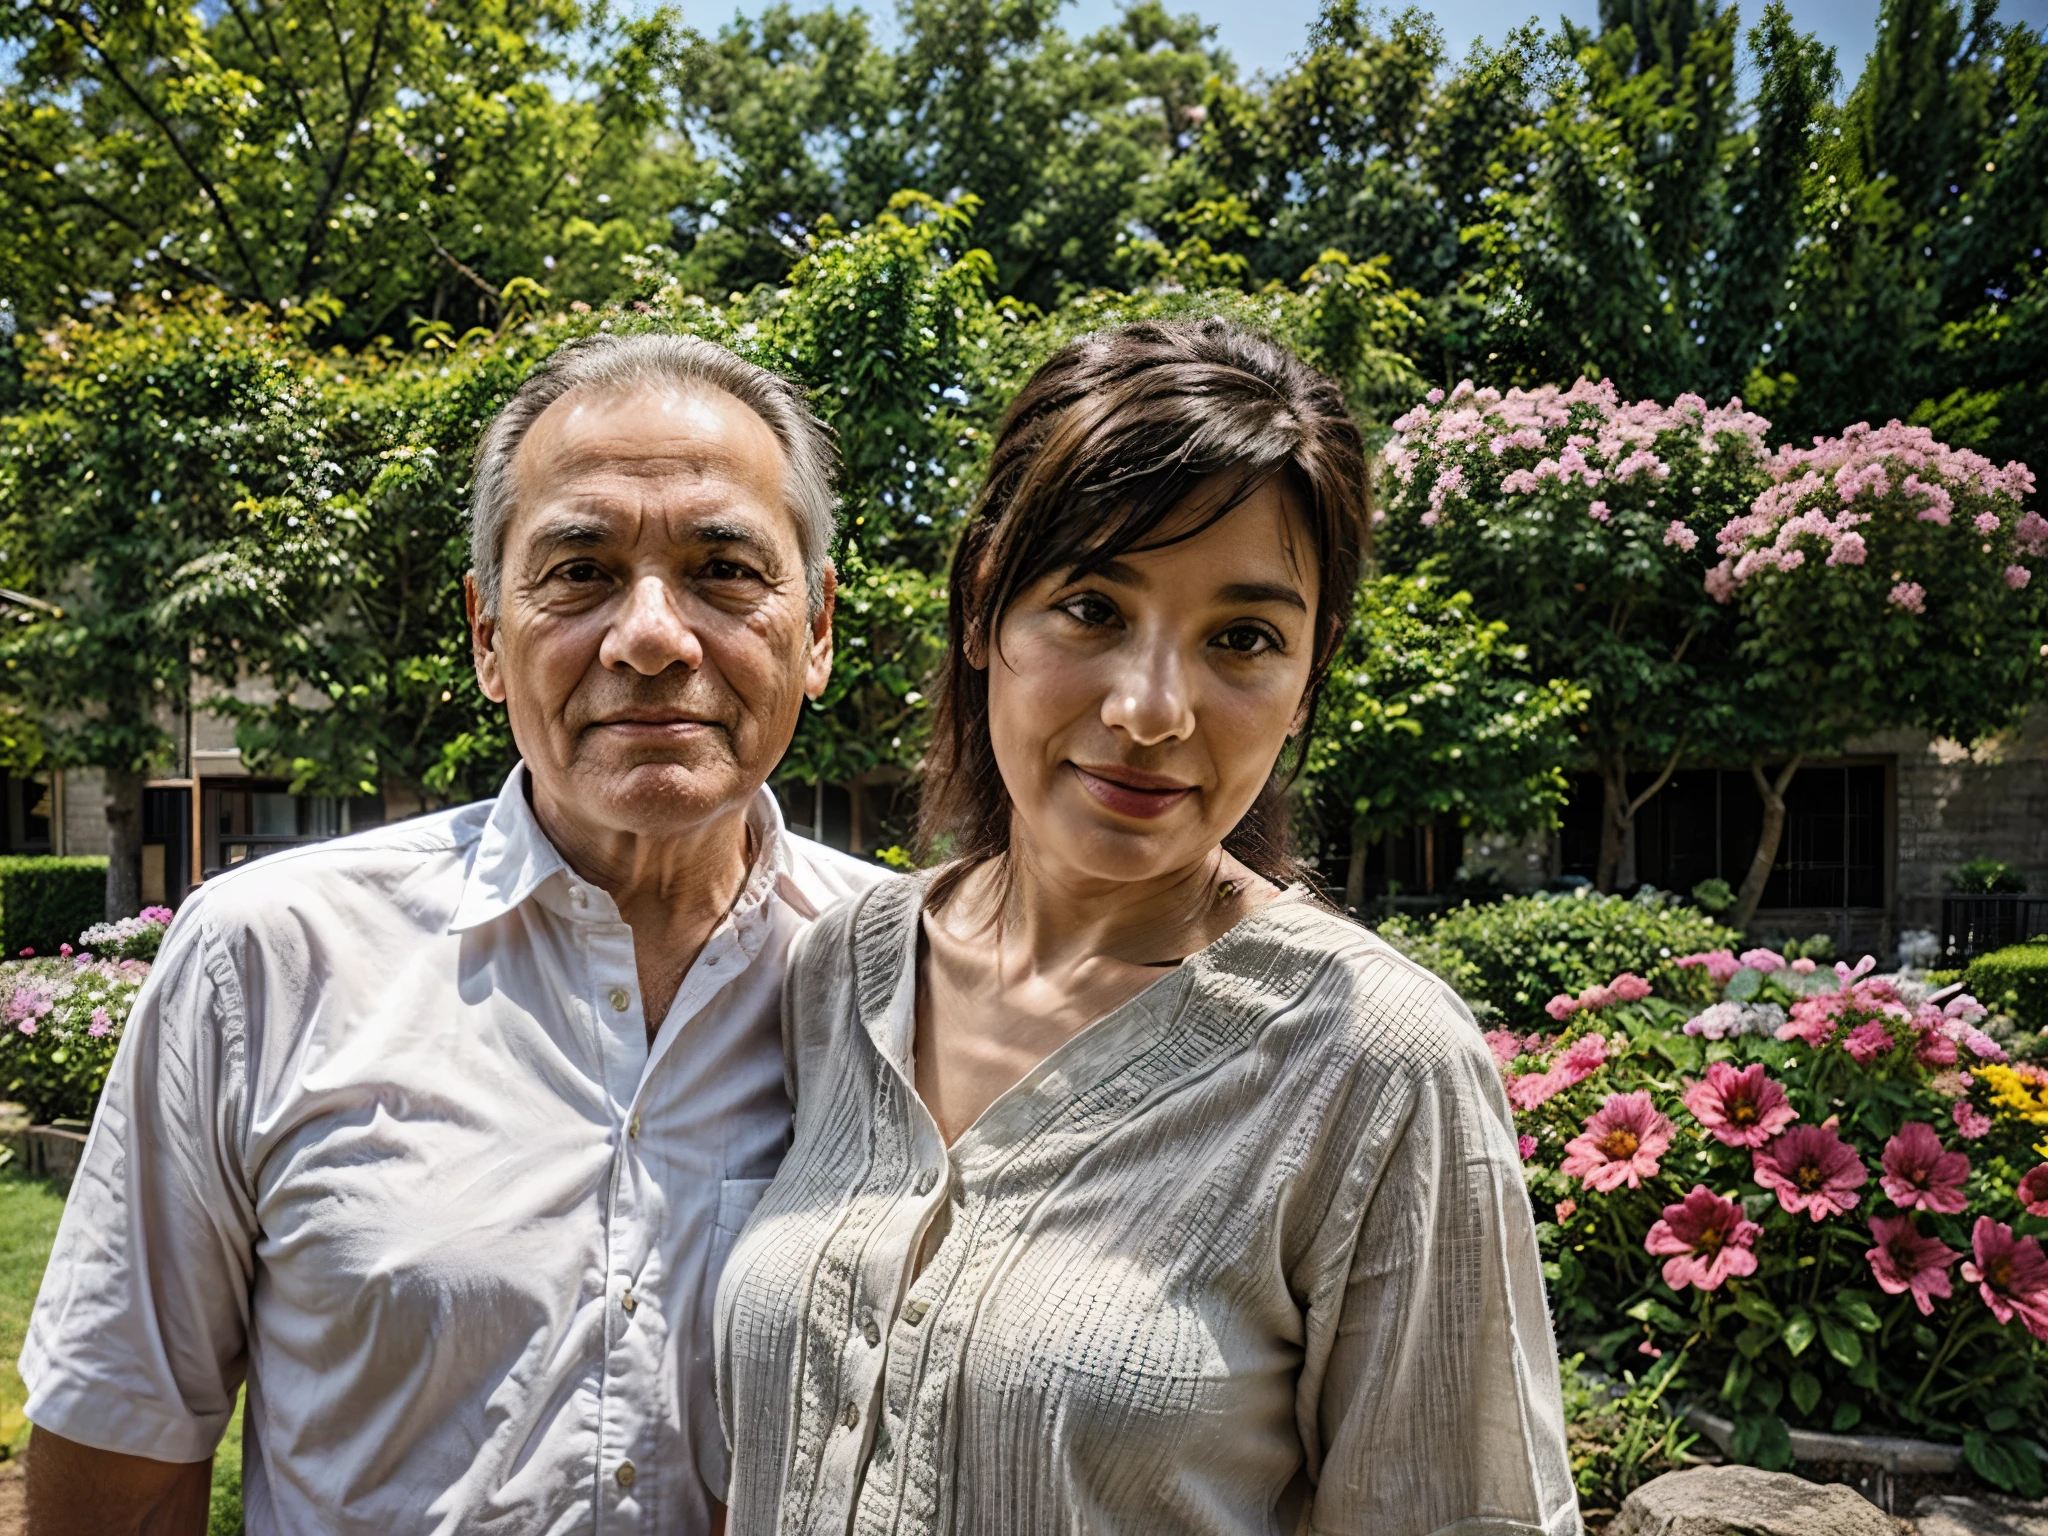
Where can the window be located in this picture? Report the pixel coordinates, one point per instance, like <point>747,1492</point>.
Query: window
<point>1704,824</point>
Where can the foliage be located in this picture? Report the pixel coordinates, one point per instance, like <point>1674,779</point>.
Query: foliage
<point>60,1021</point>
<point>127,938</point>
<point>1986,876</point>
<point>1620,1434</point>
<point>45,900</point>
<point>2013,980</point>
<point>396,158</point>
<point>1587,520</point>
<point>1779,1187</point>
<point>1512,957</point>
<point>1430,711</point>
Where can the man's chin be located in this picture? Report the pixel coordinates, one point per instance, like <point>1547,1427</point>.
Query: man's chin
<point>644,793</point>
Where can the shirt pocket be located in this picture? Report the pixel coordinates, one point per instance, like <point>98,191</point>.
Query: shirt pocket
<point>736,1201</point>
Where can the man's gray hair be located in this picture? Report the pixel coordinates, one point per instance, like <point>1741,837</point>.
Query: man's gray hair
<point>615,364</point>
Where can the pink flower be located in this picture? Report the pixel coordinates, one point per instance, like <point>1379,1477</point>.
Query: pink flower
<point>1531,1089</point>
<point>1721,965</point>
<point>1598,511</point>
<point>27,1026</point>
<point>64,950</point>
<point>1802,966</point>
<point>1620,1144</point>
<point>157,914</point>
<point>1813,1021</point>
<point>2017,576</point>
<point>1581,1059</point>
<point>1647,1348</point>
<point>1526,1145</point>
<point>1905,1260</point>
<point>1505,1044</point>
<point>1911,596</point>
<point>1867,1041</point>
<point>1970,1120</point>
<point>1951,1085</point>
<point>1561,1007</point>
<point>1937,1051</point>
<point>1983,1046</point>
<point>1812,1170</point>
<point>2033,1191</point>
<point>1986,522</point>
<point>1566,1210</point>
<point>1765,960</point>
<point>1743,1108</point>
<point>1596,997</point>
<point>1681,535</point>
<point>101,1023</point>
<point>1917,1172</point>
<point>1708,1239</point>
<point>1628,987</point>
<point>2010,1274</point>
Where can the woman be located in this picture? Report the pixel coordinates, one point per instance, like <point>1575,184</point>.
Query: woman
<point>1133,1189</point>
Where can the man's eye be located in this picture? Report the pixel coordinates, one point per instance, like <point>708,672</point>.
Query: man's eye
<point>1247,639</point>
<point>581,572</point>
<point>728,570</point>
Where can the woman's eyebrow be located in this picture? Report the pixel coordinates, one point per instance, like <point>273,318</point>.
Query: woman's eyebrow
<point>1263,592</point>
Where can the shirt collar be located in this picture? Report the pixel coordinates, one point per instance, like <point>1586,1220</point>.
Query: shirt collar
<point>514,859</point>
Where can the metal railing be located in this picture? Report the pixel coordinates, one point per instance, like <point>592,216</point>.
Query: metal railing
<point>1975,925</point>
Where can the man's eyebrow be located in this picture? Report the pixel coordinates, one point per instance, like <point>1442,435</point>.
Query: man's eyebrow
<point>573,531</point>
<point>1263,592</point>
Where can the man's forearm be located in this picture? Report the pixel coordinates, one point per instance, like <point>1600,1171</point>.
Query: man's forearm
<point>75,1490</point>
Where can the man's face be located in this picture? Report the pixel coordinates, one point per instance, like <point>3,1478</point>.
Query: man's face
<point>652,644</point>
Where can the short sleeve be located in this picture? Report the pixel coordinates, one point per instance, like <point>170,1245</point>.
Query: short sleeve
<point>138,1341</point>
<point>1439,1408</point>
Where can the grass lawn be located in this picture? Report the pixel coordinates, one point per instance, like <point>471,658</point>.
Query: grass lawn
<point>29,1209</point>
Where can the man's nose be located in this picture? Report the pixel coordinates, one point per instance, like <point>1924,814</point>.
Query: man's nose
<point>649,632</point>
<point>1149,699</point>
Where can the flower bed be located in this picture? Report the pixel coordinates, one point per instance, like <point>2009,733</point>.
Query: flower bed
<point>61,1017</point>
<point>1819,1199</point>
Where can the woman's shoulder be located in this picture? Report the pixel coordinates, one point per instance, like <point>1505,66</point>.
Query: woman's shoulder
<point>1350,993</point>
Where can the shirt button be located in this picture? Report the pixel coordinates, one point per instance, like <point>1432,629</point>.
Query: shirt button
<point>872,1332</point>
<point>618,998</point>
<point>625,1474</point>
<point>925,1180</point>
<point>629,1301</point>
<point>851,1416</point>
<point>633,1128</point>
<point>914,1311</point>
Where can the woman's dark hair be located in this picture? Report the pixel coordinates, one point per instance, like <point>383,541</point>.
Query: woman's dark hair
<point>1108,440</point>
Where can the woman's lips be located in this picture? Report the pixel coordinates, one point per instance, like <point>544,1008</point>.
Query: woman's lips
<point>1131,799</point>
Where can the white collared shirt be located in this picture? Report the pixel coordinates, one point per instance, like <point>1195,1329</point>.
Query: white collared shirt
<point>386,1136</point>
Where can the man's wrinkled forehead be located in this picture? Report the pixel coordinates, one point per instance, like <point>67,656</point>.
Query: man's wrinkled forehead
<point>630,446</point>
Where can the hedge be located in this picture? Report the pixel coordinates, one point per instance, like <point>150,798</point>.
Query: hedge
<point>2013,980</point>
<point>47,901</point>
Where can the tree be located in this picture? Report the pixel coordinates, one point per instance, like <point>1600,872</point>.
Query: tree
<point>143,443</point>
<point>1581,521</point>
<point>399,157</point>
<point>1430,711</point>
<point>1884,579</point>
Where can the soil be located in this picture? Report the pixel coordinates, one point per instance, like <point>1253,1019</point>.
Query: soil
<point>13,1497</point>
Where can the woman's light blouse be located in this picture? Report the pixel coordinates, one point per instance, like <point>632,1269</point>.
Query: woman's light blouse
<point>1251,1253</point>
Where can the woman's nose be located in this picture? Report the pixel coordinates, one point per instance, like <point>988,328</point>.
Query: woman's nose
<point>648,633</point>
<point>1149,699</point>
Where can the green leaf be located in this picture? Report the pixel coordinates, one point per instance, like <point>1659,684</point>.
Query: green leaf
<point>1756,1338</point>
<point>1847,1416</point>
<point>1799,1332</point>
<point>1736,1382</point>
<point>1991,1460</point>
<point>1762,1440</point>
<point>1651,1310</point>
<point>1999,1420</point>
<point>1864,1372</point>
<point>1755,1307</point>
<point>1743,985</point>
<point>1805,1390</point>
<point>1842,1341</point>
<point>1855,1310</point>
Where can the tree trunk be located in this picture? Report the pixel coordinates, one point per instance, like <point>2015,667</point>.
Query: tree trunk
<point>1354,875</point>
<point>124,843</point>
<point>1613,818</point>
<point>1767,839</point>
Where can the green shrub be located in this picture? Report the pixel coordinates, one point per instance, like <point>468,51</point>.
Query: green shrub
<point>47,901</point>
<point>2013,981</point>
<point>1512,957</point>
<point>1987,877</point>
<point>1620,1434</point>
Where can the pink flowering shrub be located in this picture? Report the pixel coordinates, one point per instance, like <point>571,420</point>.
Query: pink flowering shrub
<point>1823,1197</point>
<point>61,1018</point>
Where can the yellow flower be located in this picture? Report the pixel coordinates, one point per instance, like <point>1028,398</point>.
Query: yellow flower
<point>2017,1093</point>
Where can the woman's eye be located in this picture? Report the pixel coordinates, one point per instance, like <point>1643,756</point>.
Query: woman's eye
<point>1247,639</point>
<point>1088,608</point>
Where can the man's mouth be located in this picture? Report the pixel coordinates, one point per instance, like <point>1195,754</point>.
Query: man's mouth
<point>1132,791</point>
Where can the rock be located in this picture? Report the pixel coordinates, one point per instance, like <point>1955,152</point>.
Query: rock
<point>1742,1501</point>
<point>1948,1515</point>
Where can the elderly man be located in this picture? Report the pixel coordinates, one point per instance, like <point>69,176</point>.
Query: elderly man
<point>440,1135</point>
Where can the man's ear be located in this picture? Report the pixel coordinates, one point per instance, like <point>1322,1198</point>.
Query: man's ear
<point>818,664</point>
<point>483,642</point>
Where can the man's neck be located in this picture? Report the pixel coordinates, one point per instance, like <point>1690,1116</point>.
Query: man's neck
<point>672,891</point>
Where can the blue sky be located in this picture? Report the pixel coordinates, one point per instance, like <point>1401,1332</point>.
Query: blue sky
<point>1264,34</point>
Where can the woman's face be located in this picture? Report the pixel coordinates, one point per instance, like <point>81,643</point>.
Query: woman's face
<point>1137,711</point>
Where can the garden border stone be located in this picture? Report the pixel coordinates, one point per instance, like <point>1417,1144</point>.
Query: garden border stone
<point>1894,1453</point>
<point>1746,1501</point>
